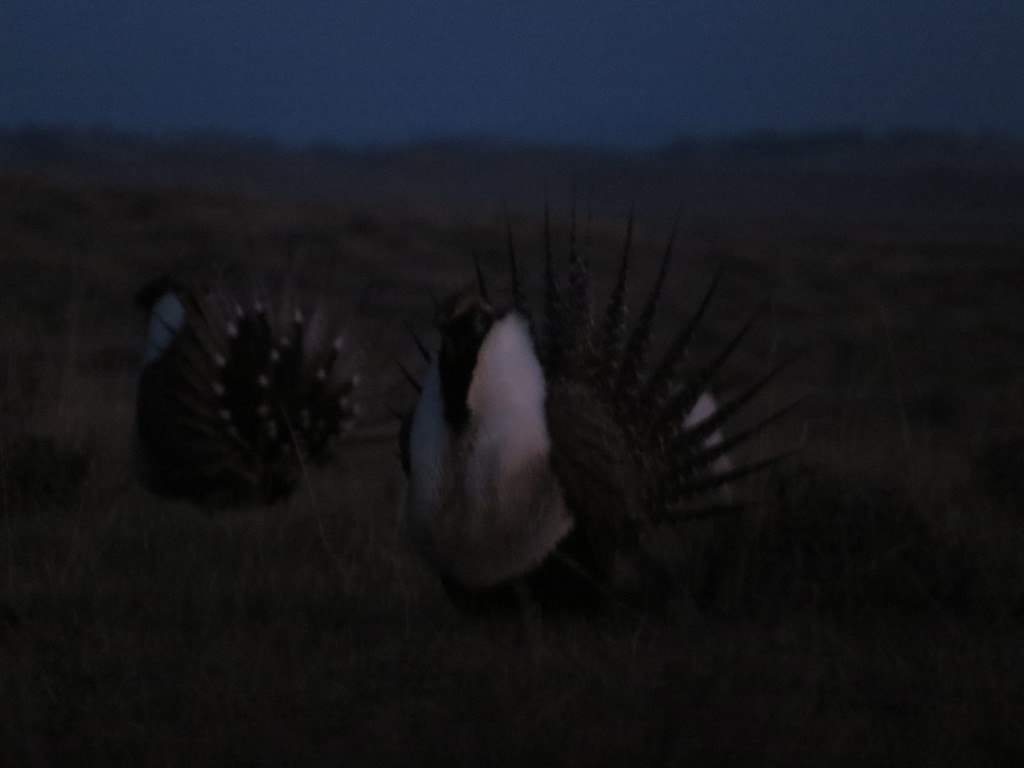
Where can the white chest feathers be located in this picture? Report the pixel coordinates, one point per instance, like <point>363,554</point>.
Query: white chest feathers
<point>506,401</point>
<point>165,322</point>
<point>484,505</point>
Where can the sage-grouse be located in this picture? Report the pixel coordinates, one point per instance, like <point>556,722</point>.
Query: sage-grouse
<point>541,453</point>
<point>233,400</point>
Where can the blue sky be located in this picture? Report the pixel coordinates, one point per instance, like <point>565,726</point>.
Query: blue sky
<point>609,72</point>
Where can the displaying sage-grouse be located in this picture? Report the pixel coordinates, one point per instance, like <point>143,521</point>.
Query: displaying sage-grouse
<point>233,400</point>
<point>539,453</point>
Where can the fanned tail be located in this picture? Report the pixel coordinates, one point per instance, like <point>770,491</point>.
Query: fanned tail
<point>631,366</point>
<point>669,413</point>
<point>660,383</point>
<point>679,491</point>
<point>237,398</point>
<point>725,411</point>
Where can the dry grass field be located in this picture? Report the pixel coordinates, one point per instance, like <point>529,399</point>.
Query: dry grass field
<point>868,610</point>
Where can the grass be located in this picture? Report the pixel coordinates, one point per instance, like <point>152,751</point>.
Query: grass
<point>869,611</point>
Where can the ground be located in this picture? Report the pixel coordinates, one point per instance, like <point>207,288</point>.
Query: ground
<point>869,609</point>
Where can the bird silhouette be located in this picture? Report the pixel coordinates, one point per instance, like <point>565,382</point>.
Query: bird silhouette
<point>541,452</point>
<point>233,399</point>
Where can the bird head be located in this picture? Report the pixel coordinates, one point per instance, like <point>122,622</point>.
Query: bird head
<point>464,321</point>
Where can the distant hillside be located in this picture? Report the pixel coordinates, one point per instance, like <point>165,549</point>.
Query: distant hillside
<point>831,173</point>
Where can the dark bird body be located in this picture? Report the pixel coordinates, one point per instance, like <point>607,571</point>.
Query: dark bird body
<point>541,452</point>
<point>232,399</point>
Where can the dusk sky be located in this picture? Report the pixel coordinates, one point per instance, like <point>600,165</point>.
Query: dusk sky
<point>607,72</point>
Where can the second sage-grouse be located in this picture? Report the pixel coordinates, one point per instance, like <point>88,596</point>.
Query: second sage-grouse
<point>233,399</point>
<point>540,453</point>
